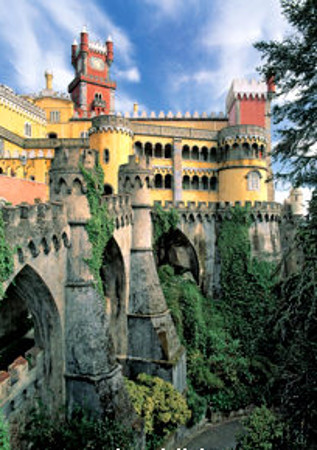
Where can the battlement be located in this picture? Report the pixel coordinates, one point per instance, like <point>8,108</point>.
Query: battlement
<point>262,211</point>
<point>98,47</point>
<point>242,133</point>
<point>106,123</point>
<point>20,378</point>
<point>170,115</point>
<point>246,88</point>
<point>120,208</point>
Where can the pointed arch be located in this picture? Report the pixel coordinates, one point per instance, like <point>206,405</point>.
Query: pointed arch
<point>32,309</point>
<point>113,275</point>
<point>175,249</point>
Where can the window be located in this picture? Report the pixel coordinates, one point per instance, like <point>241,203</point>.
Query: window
<point>168,181</point>
<point>98,96</point>
<point>55,116</point>
<point>158,181</point>
<point>1,147</point>
<point>213,183</point>
<point>253,181</point>
<point>28,129</point>
<point>186,182</point>
<point>84,134</point>
<point>106,156</point>
<point>52,136</point>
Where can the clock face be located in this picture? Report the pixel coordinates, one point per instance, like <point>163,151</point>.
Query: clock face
<point>97,63</point>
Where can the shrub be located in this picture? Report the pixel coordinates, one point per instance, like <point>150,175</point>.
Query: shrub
<point>4,433</point>
<point>159,404</point>
<point>78,432</point>
<point>262,430</point>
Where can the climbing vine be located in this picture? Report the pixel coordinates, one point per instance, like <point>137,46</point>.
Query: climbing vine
<point>6,258</point>
<point>100,226</point>
<point>164,221</point>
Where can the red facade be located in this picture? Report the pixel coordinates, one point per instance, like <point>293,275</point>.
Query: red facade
<point>92,90</point>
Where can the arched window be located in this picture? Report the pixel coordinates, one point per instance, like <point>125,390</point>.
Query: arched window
<point>255,150</point>
<point>213,183</point>
<point>195,182</point>
<point>158,150</point>
<point>246,148</point>
<point>204,154</point>
<point>205,184</point>
<point>52,136</point>
<point>1,171</point>
<point>138,147</point>
<point>106,156</point>
<point>107,189</point>
<point>168,151</point>
<point>195,152</point>
<point>254,179</point>
<point>148,150</point>
<point>168,181</point>
<point>158,181</point>
<point>185,152</point>
<point>186,182</point>
<point>213,154</point>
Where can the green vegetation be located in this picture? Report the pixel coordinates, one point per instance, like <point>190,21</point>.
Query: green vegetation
<point>226,341</point>
<point>160,405</point>
<point>293,63</point>
<point>100,227</point>
<point>262,430</point>
<point>79,432</point>
<point>164,221</point>
<point>6,258</point>
<point>4,433</point>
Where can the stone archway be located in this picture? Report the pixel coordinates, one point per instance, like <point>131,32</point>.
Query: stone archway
<point>175,249</point>
<point>114,286</point>
<point>29,302</point>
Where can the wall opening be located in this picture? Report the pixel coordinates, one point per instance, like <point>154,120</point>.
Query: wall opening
<point>112,274</point>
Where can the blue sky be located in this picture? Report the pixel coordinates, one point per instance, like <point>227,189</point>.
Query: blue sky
<point>169,54</point>
<point>177,55</point>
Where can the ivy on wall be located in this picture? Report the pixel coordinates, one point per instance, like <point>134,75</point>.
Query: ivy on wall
<point>100,226</point>
<point>6,258</point>
<point>163,221</point>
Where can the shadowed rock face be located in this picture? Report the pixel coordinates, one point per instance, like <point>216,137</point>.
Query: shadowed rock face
<point>175,249</point>
<point>114,286</point>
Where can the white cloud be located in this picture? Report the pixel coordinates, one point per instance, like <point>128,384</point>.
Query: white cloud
<point>169,8</point>
<point>226,37</point>
<point>132,74</point>
<point>37,35</point>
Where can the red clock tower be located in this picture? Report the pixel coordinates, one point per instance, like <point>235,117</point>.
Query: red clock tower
<point>91,90</point>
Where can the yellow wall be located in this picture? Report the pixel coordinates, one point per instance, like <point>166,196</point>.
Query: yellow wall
<point>120,147</point>
<point>234,185</point>
<point>14,121</point>
<point>198,124</point>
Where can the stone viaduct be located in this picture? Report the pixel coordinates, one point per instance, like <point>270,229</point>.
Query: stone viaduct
<point>72,345</point>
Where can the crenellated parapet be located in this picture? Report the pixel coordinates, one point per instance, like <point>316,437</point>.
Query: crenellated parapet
<point>36,229</point>
<point>203,211</point>
<point>120,208</point>
<point>110,123</point>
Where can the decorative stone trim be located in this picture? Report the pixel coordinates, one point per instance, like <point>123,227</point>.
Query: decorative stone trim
<point>13,101</point>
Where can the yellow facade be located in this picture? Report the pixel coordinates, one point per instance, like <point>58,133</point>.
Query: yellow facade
<point>194,162</point>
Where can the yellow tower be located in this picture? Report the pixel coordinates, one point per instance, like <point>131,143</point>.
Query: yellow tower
<point>111,136</point>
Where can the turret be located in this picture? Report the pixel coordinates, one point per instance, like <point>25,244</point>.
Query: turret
<point>148,314</point>
<point>49,80</point>
<point>296,201</point>
<point>109,45</point>
<point>74,52</point>
<point>84,39</point>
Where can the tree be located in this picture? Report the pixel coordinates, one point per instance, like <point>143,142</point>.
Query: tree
<point>293,64</point>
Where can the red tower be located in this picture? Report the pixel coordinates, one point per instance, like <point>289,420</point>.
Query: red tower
<point>91,90</point>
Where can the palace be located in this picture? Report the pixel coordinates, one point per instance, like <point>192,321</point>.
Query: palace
<point>195,157</point>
